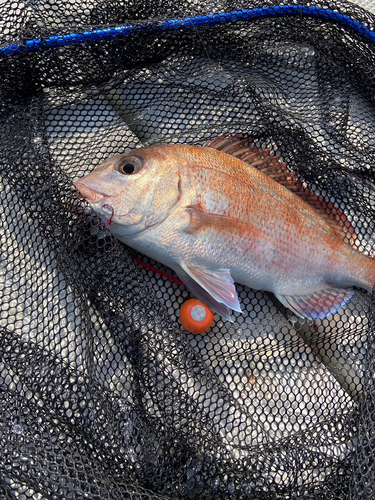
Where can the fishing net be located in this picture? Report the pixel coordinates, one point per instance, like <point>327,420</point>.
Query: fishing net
<point>103,394</point>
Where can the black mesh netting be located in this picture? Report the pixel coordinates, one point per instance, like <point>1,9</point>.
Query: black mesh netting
<point>102,394</point>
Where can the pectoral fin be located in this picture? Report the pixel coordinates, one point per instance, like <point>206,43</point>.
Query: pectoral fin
<point>215,287</point>
<point>318,305</point>
<point>200,221</point>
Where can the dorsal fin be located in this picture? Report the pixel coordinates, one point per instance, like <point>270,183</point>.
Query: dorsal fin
<point>270,165</point>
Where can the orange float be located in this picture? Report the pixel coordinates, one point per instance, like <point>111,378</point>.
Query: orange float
<point>195,317</point>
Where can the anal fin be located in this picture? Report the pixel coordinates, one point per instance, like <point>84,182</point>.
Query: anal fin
<point>318,305</point>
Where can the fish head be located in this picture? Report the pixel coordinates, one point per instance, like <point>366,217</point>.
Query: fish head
<point>134,190</point>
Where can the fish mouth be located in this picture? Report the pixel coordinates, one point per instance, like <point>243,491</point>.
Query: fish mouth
<point>89,194</point>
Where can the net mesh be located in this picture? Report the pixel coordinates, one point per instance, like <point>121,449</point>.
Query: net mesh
<point>102,393</point>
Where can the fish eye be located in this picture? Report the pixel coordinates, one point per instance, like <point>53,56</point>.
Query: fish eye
<point>129,165</point>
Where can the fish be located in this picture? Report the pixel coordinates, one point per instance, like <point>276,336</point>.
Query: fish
<point>228,212</point>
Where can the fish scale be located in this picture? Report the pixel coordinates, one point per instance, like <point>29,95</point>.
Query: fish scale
<point>216,218</point>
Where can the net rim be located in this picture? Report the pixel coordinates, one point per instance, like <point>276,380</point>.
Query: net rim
<point>187,23</point>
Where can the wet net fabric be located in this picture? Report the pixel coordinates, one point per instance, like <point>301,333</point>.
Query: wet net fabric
<point>103,395</point>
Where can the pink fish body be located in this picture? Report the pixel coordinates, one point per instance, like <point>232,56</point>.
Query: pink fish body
<point>218,218</point>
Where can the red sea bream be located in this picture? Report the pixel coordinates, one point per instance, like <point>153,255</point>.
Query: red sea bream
<point>226,213</point>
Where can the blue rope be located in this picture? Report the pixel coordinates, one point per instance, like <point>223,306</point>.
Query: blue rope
<point>188,23</point>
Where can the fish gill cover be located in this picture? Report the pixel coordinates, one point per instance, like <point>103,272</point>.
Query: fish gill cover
<point>102,394</point>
